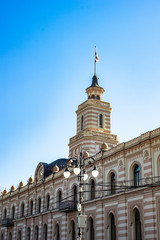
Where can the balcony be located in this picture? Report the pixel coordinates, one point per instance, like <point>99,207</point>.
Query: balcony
<point>68,206</point>
<point>8,222</point>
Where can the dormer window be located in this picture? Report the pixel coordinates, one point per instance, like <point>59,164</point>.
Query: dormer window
<point>100,121</point>
<point>82,122</point>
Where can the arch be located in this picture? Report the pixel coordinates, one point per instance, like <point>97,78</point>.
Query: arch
<point>82,122</point>
<point>112,227</point>
<point>36,233</point>
<point>136,226</point>
<point>19,235</point>
<point>90,229</point>
<point>28,233</point>
<point>45,229</point>
<point>10,236</point>
<point>100,120</point>
<point>31,207</point>
<point>36,175</point>
<point>22,209</point>
<point>57,232</point>
<point>72,231</point>
<point>13,212</point>
<point>5,213</point>
<point>39,204</point>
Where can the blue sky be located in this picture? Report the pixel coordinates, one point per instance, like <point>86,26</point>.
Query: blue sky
<point>46,63</point>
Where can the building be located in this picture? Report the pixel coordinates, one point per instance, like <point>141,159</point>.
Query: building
<point>122,203</point>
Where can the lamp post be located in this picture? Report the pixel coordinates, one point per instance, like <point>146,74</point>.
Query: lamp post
<point>78,165</point>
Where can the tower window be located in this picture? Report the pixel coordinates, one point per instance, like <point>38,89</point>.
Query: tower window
<point>82,122</point>
<point>93,96</point>
<point>98,97</point>
<point>100,121</point>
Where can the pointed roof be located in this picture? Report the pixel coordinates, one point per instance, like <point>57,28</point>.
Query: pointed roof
<point>95,81</point>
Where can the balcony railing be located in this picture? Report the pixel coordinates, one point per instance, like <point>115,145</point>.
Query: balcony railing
<point>8,222</point>
<point>68,206</point>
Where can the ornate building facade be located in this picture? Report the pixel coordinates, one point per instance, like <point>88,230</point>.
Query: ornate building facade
<point>122,203</point>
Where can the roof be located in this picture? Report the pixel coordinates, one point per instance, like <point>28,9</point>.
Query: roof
<point>48,168</point>
<point>95,81</point>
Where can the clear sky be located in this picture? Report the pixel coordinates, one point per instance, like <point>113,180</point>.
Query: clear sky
<point>46,63</point>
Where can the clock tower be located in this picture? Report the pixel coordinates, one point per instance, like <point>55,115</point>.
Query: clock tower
<point>93,123</point>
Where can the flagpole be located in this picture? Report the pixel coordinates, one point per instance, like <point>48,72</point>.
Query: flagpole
<point>95,62</point>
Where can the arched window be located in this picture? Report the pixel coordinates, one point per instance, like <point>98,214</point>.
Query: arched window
<point>92,189</point>
<point>82,122</point>
<point>36,233</point>
<point>39,205</point>
<point>73,232</point>
<point>75,193</point>
<point>91,229</point>
<point>31,207</point>
<point>5,214</point>
<point>48,202</point>
<point>112,227</point>
<point>137,222</point>
<point>93,96</point>
<point>13,212</point>
<point>59,197</point>
<point>113,185</point>
<point>10,236</point>
<point>19,235</point>
<point>2,237</point>
<point>22,210</point>
<point>136,175</point>
<point>28,233</point>
<point>98,97</point>
<point>100,121</point>
<point>45,232</point>
<point>57,233</point>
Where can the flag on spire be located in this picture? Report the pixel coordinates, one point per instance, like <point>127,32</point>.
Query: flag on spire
<point>96,56</point>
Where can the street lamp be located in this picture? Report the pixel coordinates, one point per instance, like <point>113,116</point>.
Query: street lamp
<point>78,165</point>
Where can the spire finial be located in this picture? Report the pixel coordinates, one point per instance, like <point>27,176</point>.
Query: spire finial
<point>96,60</point>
